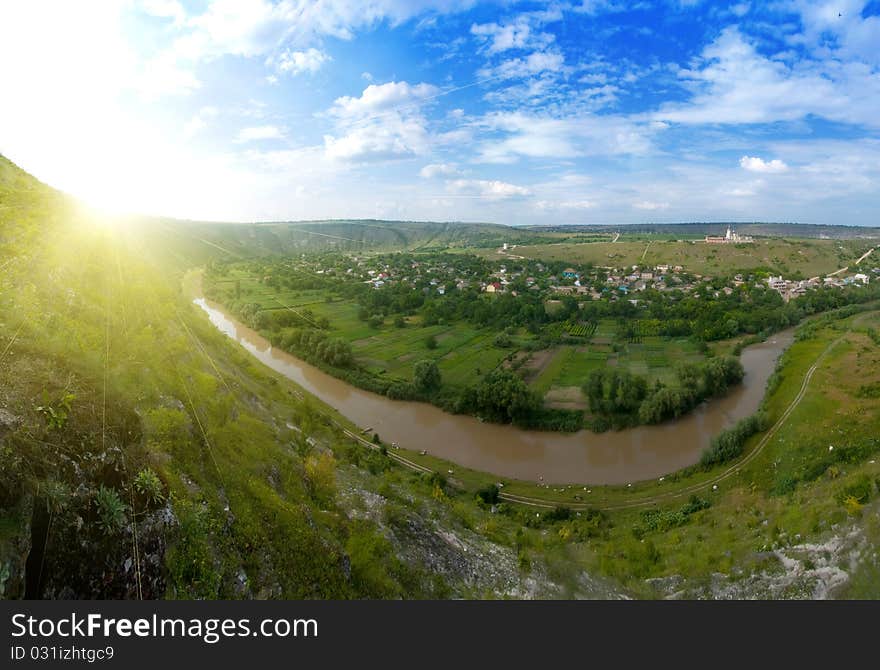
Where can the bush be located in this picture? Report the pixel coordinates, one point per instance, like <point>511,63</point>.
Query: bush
<point>149,486</point>
<point>431,342</point>
<point>502,340</point>
<point>729,444</point>
<point>488,494</point>
<point>111,510</point>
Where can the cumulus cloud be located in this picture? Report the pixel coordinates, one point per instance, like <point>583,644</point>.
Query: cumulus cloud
<point>732,83</point>
<point>258,133</point>
<point>756,164</point>
<point>378,97</point>
<point>296,62</point>
<point>383,123</point>
<point>488,188</point>
<point>390,138</point>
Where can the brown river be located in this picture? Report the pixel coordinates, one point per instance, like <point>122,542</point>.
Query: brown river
<point>585,457</point>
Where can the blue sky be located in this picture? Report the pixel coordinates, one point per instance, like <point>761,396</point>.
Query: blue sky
<point>595,111</point>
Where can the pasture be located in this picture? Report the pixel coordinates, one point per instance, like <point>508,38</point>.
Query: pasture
<point>790,257</point>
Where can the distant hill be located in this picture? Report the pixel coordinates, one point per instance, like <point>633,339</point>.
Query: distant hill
<point>718,228</point>
<point>195,242</point>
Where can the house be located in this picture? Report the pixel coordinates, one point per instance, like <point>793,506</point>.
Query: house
<point>776,283</point>
<point>494,287</point>
<point>569,273</point>
<point>860,277</point>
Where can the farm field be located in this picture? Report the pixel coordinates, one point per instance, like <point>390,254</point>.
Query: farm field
<point>562,375</point>
<point>463,353</point>
<point>791,257</point>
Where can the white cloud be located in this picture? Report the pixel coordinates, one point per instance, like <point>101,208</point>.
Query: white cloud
<point>296,62</point>
<point>383,123</point>
<point>741,9</point>
<point>734,84</point>
<point>486,188</point>
<point>541,136</point>
<point>200,121</point>
<point>756,164</point>
<point>391,138</point>
<point>650,205</point>
<point>163,76</point>
<point>518,34</point>
<point>164,9</point>
<point>535,63</point>
<point>379,97</point>
<point>438,170</point>
<point>258,133</point>
<point>565,204</point>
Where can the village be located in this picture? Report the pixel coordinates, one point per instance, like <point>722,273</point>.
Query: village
<point>442,273</point>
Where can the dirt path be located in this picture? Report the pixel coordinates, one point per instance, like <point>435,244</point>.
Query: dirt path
<point>865,255</point>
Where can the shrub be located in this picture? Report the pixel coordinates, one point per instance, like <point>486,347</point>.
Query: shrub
<point>488,494</point>
<point>111,510</point>
<point>729,444</point>
<point>149,486</point>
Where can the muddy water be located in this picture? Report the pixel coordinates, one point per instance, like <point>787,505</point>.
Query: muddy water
<point>562,458</point>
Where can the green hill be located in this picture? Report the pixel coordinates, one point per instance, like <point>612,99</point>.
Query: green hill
<point>143,455</point>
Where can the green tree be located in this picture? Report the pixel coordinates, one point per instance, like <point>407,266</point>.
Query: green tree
<point>426,376</point>
<point>504,396</point>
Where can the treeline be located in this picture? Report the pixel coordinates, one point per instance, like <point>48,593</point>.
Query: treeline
<point>333,351</point>
<point>619,398</point>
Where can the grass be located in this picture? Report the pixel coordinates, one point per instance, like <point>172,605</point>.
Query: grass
<point>654,358</point>
<point>791,257</point>
<point>464,353</point>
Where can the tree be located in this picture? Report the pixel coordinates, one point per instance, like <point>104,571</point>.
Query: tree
<point>504,396</point>
<point>431,342</point>
<point>426,376</point>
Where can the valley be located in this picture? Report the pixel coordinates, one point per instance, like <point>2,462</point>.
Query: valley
<point>146,455</point>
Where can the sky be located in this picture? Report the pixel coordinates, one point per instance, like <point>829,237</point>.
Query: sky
<point>594,111</point>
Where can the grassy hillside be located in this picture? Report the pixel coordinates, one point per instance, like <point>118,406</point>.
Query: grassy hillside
<point>790,257</point>
<point>197,240</point>
<point>145,456</point>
